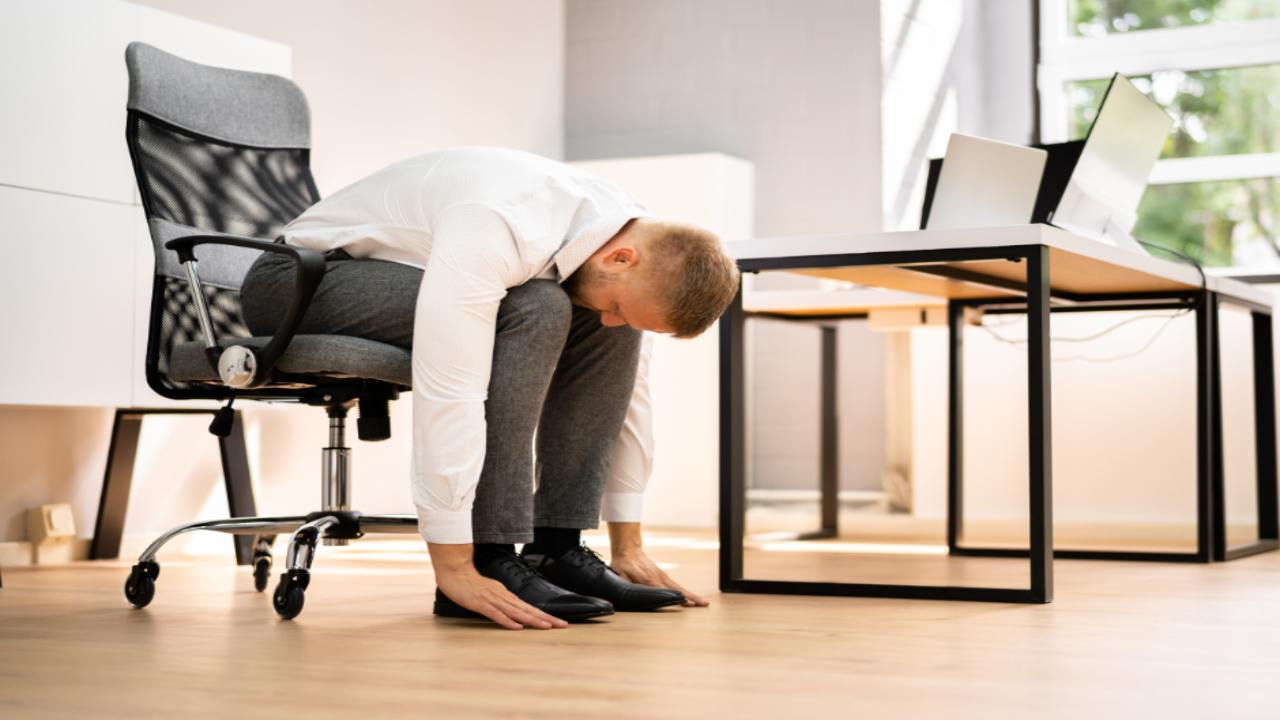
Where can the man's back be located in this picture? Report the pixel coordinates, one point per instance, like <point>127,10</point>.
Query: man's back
<point>390,214</point>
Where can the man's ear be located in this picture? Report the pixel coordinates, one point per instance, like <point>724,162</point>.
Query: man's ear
<point>621,257</point>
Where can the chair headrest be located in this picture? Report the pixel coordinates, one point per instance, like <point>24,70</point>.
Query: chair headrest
<point>234,106</point>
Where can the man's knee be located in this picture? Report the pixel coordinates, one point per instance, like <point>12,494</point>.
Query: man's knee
<point>538,306</point>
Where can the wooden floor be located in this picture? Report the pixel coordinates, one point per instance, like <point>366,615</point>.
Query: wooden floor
<point>1121,640</point>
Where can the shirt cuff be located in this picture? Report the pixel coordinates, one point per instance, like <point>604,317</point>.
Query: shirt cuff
<point>447,527</point>
<point>622,506</point>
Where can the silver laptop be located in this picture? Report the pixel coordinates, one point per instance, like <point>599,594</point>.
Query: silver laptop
<point>1101,199</point>
<point>985,183</point>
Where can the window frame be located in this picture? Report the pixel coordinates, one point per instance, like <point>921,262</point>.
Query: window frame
<point>1064,58</point>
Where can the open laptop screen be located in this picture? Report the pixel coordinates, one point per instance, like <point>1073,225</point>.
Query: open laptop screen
<point>1101,198</point>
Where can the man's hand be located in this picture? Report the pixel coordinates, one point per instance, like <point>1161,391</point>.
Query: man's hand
<point>628,559</point>
<point>457,578</point>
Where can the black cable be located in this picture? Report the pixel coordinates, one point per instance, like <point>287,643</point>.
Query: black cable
<point>1204,286</point>
<point>1204,279</point>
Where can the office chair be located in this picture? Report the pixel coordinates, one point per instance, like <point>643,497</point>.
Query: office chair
<point>222,161</point>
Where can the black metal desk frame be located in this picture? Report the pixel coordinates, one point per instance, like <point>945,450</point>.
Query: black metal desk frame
<point>732,434</point>
<point>1211,520</point>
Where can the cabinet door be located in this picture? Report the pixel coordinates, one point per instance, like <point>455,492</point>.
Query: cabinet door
<point>67,300</point>
<point>64,89</point>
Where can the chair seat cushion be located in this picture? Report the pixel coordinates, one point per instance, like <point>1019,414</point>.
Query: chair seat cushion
<point>342,356</point>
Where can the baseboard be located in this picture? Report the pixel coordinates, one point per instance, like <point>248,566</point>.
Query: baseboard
<point>18,553</point>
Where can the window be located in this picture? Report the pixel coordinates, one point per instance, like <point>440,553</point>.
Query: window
<point>1214,65</point>
<point>1096,18</point>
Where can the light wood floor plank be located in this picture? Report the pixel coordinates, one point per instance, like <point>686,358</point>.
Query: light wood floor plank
<point>1122,640</point>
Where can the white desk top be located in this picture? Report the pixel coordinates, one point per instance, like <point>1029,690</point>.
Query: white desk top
<point>1076,264</point>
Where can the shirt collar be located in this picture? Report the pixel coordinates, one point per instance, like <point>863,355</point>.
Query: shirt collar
<point>591,238</point>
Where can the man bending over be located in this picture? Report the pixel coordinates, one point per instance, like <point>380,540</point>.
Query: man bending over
<point>525,288</point>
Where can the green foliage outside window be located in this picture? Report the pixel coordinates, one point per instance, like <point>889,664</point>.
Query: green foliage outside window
<point>1230,111</point>
<point>1094,18</point>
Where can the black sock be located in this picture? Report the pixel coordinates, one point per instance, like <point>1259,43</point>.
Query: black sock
<point>485,552</point>
<point>553,542</point>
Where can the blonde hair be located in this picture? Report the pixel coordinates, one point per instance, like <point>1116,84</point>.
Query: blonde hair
<point>696,275</point>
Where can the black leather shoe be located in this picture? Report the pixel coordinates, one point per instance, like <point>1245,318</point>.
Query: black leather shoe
<point>584,572</point>
<point>526,584</point>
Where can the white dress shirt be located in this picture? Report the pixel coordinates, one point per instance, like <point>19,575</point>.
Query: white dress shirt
<point>478,221</point>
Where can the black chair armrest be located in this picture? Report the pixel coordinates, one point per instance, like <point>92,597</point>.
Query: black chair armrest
<point>309,265</point>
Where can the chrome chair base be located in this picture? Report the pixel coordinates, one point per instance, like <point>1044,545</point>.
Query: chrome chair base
<point>307,532</point>
<point>336,524</point>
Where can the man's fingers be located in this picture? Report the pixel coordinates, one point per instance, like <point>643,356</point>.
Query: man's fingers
<point>523,613</point>
<point>648,573</point>
<point>551,619</point>
<point>691,599</point>
<point>495,614</point>
<point>533,617</point>
<point>526,612</point>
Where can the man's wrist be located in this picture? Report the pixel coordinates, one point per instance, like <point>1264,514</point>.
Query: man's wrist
<point>625,538</point>
<point>449,559</point>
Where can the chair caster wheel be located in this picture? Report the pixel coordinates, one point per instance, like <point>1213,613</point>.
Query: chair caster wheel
<point>261,572</point>
<point>289,595</point>
<point>140,588</point>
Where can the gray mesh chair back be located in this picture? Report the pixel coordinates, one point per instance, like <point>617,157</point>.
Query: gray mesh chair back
<point>214,151</point>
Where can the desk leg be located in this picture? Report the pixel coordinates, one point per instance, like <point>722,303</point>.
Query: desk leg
<point>829,480</point>
<point>109,526</point>
<point>830,440</point>
<point>1205,422</point>
<point>955,425</point>
<point>1265,443</point>
<point>732,446</point>
<point>1039,411</point>
<point>1264,387</point>
<point>1218,501</point>
<point>1207,465</point>
<point>732,457</point>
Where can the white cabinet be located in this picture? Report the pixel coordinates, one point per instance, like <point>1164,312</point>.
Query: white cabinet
<point>67,299</point>
<point>64,87</point>
<point>76,254</point>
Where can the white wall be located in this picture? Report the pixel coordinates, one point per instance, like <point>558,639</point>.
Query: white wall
<point>385,81</point>
<point>948,67</point>
<point>1124,443</point>
<point>713,191</point>
<point>391,78</point>
<point>792,87</point>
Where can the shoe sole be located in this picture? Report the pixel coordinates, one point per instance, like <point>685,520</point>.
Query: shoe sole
<point>651,608</point>
<point>454,610</point>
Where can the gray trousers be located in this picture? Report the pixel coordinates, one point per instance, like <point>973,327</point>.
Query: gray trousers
<point>558,375</point>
